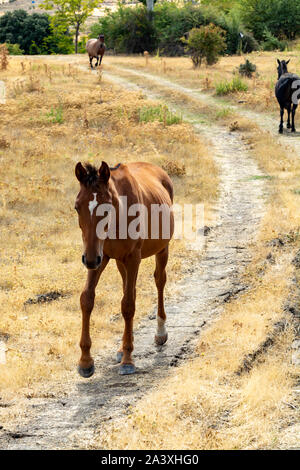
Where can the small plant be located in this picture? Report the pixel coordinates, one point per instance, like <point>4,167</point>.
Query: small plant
<point>159,113</point>
<point>205,43</point>
<point>234,126</point>
<point>223,113</point>
<point>173,168</point>
<point>3,57</point>
<point>4,144</point>
<point>56,115</point>
<point>225,87</point>
<point>247,69</point>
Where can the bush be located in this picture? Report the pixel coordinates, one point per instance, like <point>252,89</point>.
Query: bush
<point>159,113</point>
<point>21,28</point>
<point>271,43</point>
<point>172,22</point>
<point>206,43</point>
<point>280,17</point>
<point>225,87</point>
<point>249,43</point>
<point>14,49</point>
<point>247,69</point>
<point>127,30</point>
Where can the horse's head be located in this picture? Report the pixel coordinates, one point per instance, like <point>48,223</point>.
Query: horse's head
<point>282,67</point>
<point>101,37</point>
<point>94,191</point>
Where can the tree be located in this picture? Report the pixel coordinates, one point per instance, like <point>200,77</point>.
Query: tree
<point>21,28</point>
<point>206,43</point>
<point>280,17</point>
<point>70,14</point>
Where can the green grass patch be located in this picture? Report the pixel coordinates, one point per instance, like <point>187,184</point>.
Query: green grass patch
<point>56,115</point>
<point>231,86</point>
<point>223,113</point>
<point>260,177</point>
<point>159,113</point>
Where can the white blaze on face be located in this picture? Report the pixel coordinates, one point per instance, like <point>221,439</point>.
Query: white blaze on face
<point>93,204</point>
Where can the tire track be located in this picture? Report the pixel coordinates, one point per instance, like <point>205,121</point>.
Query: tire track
<point>73,421</point>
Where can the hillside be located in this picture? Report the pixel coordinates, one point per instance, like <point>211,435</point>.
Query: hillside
<point>27,5</point>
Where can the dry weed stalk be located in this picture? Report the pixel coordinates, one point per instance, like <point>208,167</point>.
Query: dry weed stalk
<point>3,57</point>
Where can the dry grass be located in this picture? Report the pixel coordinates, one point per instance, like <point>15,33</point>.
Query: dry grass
<point>260,94</point>
<point>215,408</point>
<point>54,117</point>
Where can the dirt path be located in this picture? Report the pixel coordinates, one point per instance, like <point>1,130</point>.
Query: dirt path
<point>263,120</point>
<point>72,422</point>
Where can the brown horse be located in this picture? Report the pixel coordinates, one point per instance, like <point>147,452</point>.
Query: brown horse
<point>95,49</point>
<point>121,193</point>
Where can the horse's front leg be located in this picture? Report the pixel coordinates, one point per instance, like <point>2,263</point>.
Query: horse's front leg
<point>87,298</point>
<point>131,265</point>
<point>91,62</point>
<point>97,61</point>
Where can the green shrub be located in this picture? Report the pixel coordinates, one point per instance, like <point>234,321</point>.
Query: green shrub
<point>159,113</point>
<point>56,115</point>
<point>247,69</point>
<point>206,43</point>
<point>271,43</point>
<point>14,49</point>
<point>225,87</point>
<point>127,30</point>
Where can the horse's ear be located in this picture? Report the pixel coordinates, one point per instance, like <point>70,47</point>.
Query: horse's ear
<point>278,61</point>
<point>80,172</point>
<point>104,172</point>
<point>288,61</point>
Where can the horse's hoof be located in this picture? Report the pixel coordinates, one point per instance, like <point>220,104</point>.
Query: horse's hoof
<point>288,126</point>
<point>280,131</point>
<point>86,373</point>
<point>127,369</point>
<point>293,130</point>
<point>119,356</point>
<point>161,339</point>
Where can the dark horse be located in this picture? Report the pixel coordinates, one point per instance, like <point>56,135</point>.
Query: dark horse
<point>287,94</point>
<point>121,193</point>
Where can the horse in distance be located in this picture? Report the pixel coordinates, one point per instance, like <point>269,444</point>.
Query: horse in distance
<point>286,91</point>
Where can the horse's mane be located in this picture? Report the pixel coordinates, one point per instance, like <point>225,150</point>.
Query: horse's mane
<point>92,177</point>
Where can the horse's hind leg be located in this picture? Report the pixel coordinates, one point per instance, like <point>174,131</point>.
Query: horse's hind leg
<point>91,62</point>
<point>288,126</point>
<point>293,117</point>
<point>86,363</point>
<point>160,277</point>
<point>281,121</point>
<point>131,265</point>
